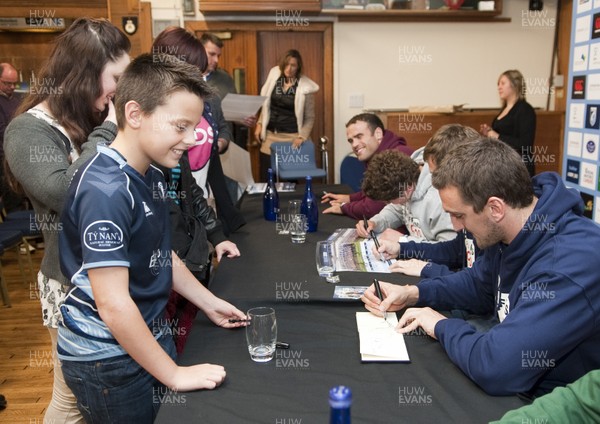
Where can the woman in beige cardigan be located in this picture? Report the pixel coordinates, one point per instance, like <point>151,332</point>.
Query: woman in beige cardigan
<point>288,113</point>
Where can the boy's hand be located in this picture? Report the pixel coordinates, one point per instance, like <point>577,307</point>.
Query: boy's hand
<point>226,247</point>
<point>201,376</point>
<point>395,298</point>
<point>221,312</point>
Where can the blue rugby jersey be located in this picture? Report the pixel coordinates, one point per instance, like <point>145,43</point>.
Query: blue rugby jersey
<point>115,218</point>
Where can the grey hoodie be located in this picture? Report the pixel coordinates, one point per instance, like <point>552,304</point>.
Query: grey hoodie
<point>423,214</point>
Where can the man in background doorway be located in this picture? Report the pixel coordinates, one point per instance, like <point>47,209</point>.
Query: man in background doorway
<point>223,82</point>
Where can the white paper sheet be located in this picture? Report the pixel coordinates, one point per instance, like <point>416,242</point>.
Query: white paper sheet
<point>379,342</point>
<point>237,107</point>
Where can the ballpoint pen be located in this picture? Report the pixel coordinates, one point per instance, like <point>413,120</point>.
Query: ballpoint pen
<point>374,237</point>
<point>379,295</point>
<point>377,245</point>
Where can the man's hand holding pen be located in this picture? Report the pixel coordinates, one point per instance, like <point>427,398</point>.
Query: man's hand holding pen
<point>387,249</point>
<point>395,298</point>
<point>364,231</point>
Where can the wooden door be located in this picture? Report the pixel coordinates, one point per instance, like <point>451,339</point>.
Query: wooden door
<point>250,50</point>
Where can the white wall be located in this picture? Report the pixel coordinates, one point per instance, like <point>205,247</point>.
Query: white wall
<point>397,65</point>
<point>401,64</point>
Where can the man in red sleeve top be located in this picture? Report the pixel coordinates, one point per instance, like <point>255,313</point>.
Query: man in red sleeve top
<point>368,137</point>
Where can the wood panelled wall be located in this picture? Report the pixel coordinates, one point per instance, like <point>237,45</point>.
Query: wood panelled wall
<point>28,50</point>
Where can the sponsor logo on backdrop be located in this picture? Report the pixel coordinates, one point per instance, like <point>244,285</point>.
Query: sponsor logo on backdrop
<point>573,171</point>
<point>578,87</point>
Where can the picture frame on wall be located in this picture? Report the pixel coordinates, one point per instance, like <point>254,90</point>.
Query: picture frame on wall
<point>158,25</point>
<point>188,7</point>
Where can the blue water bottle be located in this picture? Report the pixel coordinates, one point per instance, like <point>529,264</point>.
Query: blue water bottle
<point>310,207</point>
<point>340,400</point>
<point>270,199</point>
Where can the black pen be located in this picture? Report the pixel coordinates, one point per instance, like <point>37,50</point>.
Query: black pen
<point>377,245</point>
<point>379,295</point>
<point>282,345</point>
<point>236,320</point>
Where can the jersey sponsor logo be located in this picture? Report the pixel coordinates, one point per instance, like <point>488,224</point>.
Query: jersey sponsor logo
<point>147,210</point>
<point>103,236</point>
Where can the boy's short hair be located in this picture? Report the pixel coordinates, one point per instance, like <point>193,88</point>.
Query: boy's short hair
<point>446,138</point>
<point>389,174</point>
<point>151,78</point>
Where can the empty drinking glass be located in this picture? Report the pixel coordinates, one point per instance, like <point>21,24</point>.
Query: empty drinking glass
<point>298,222</point>
<point>325,257</point>
<point>261,334</point>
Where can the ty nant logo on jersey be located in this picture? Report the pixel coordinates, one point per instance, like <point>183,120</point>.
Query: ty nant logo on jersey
<point>103,236</point>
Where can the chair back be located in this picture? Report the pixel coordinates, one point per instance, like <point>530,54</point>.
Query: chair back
<point>351,172</point>
<point>290,162</point>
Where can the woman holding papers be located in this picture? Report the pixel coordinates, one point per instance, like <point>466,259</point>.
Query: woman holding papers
<point>288,113</point>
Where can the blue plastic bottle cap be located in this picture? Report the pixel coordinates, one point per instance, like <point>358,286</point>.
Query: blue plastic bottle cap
<point>340,397</point>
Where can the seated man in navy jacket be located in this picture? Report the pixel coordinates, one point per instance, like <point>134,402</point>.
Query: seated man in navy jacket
<point>538,274</point>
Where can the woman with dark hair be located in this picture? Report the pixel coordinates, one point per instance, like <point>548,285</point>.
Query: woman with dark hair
<point>193,221</point>
<point>515,124</point>
<point>288,113</point>
<point>57,127</point>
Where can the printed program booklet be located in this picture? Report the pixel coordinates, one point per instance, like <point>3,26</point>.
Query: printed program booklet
<point>354,253</point>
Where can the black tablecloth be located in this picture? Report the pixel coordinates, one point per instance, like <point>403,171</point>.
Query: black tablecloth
<point>324,345</point>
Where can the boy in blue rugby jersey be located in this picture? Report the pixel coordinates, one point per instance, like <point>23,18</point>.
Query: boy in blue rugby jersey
<point>116,249</point>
